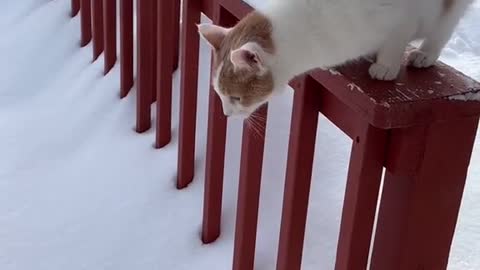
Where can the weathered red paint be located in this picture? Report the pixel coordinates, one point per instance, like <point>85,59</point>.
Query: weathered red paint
<point>176,33</point>
<point>146,62</point>
<point>419,208</point>
<point>249,192</point>
<point>85,22</point>
<point>298,177</point>
<point>126,47</point>
<point>75,8</point>
<point>110,33</point>
<point>361,196</point>
<point>215,157</point>
<point>188,92</point>
<point>165,62</point>
<point>97,28</point>
<point>215,160</point>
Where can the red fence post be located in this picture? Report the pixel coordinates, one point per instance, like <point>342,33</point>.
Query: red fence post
<point>419,208</point>
<point>188,92</point>
<point>85,22</point>
<point>126,47</point>
<point>165,62</point>
<point>361,196</point>
<point>146,62</point>
<point>215,157</point>
<point>215,160</point>
<point>110,34</point>
<point>97,28</point>
<point>176,33</point>
<point>249,191</point>
<point>303,133</point>
<point>75,8</point>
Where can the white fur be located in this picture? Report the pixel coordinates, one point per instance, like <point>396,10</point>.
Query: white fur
<point>325,33</point>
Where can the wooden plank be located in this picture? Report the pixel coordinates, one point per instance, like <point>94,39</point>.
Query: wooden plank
<point>298,177</point>
<point>189,60</point>
<point>110,34</point>
<point>418,212</point>
<point>126,47</point>
<point>85,22</point>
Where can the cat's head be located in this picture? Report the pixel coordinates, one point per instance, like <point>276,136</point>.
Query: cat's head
<point>242,58</point>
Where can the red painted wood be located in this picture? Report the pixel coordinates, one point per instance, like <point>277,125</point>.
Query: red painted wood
<point>249,192</point>
<point>188,92</point>
<point>165,50</point>
<point>418,212</point>
<point>97,28</point>
<point>176,33</point>
<point>208,7</point>
<point>126,47</point>
<point>75,8</point>
<point>215,157</point>
<point>237,8</point>
<point>146,62</point>
<point>110,34</point>
<point>85,22</point>
<point>361,196</point>
<point>418,97</point>
<point>154,40</point>
<point>298,178</point>
<point>215,160</point>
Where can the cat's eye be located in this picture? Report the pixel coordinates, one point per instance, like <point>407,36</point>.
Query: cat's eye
<point>235,99</point>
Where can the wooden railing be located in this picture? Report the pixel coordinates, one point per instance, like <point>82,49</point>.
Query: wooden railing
<point>414,128</point>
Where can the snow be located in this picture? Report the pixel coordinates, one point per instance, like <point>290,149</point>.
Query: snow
<point>79,189</point>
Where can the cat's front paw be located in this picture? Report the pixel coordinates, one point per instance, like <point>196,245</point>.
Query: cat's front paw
<point>420,59</point>
<point>382,72</point>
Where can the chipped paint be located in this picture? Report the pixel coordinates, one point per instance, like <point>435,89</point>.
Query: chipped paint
<point>334,72</point>
<point>385,104</point>
<point>353,86</point>
<point>472,96</point>
<point>403,94</point>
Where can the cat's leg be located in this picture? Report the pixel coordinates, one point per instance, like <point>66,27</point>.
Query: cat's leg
<point>390,56</point>
<point>432,46</point>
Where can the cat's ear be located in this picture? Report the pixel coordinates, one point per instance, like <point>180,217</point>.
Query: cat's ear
<point>213,34</point>
<point>251,56</point>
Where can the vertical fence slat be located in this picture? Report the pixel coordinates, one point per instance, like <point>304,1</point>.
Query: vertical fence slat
<point>188,92</point>
<point>361,196</point>
<point>146,62</point>
<point>176,32</point>
<point>298,176</point>
<point>155,49</point>
<point>215,161</point>
<point>75,8</point>
<point>126,47</point>
<point>110,34</point>
<point>165,25</point>
<point>86,22</point>
<point>97,28</point>
<point>215,157</point>
<point>249,192</point>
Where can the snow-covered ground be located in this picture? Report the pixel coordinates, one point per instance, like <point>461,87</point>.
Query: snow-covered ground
<point>79,189</point>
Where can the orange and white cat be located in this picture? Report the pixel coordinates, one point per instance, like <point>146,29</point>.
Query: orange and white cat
<point>255,59</point>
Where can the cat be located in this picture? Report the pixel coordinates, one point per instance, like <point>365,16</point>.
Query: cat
<point>256,59</point>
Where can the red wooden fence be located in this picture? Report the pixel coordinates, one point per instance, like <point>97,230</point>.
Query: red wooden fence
<point>421,137</point>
